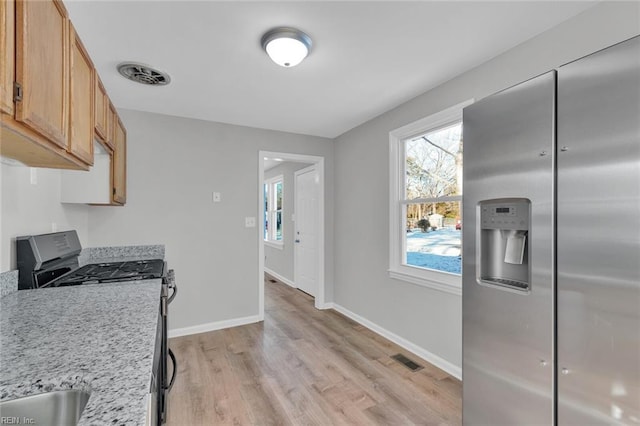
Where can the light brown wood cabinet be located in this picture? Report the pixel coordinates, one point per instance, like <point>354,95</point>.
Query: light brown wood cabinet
<point>81,103</point>
<point>101,110</point>
<point>42,68</point>
<point>119,162</point>
<point>53,105</point>
<point>37,133</point>
<point>7,44</point>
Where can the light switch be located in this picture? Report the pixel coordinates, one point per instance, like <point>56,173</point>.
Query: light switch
<point>249,222</point>
<point>216,197</point>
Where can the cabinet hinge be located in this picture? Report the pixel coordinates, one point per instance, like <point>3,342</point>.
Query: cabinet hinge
<point>17,92</point>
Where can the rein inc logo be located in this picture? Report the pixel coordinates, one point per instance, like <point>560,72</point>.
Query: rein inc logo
<point>16,420</point>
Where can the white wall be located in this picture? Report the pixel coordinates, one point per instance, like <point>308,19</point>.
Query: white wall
<point>429,318</point>
<point>281,261</point>
<point>174,165</point>
<point>32,208</point>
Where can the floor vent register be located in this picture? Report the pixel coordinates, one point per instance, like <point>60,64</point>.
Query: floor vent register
<point>407,362</point>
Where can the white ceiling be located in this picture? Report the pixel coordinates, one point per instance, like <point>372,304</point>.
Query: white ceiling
<point>367,57</point>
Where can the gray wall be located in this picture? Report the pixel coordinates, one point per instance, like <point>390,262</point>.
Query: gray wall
<point>32,209</point>
<point>174,165</point>
<point>428,318</point>
<point>281,261</point>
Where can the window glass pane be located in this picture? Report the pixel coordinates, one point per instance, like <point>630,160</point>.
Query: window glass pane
<point>266,211</point>
<point>433,163</point>
<point>278,191</point>
<point>433,236</point>
<point>278,236</point>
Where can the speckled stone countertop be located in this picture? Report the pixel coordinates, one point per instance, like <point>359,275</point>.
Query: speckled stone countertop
<point>8,282</point>
<point>99,337</point>
<point>120,254</point>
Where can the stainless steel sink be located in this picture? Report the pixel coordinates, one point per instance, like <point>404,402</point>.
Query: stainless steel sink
<point>58,408</point>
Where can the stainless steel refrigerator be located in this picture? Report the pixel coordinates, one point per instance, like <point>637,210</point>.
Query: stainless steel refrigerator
<point>551,247</point>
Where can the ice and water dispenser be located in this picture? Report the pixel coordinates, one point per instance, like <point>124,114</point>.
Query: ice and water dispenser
<point>503,255</point>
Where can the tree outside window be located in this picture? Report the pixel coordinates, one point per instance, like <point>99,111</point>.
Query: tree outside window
<point>432,199</point>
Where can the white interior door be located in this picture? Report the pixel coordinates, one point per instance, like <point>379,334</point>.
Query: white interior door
<point>306,230</point>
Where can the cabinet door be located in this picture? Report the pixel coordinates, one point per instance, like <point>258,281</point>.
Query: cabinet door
<point>112,117</point>
<point>81,101</point>
<point>119,163</point>
<point>42,68</point>
<point>7,43</point>
<point>100,111</point>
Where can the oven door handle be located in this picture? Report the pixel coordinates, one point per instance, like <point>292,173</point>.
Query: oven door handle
<point>173,372</point>
<point>174,287</point>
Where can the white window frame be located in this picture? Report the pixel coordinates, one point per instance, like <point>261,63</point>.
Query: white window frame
<point>271,212</point>
<point>438,280</point>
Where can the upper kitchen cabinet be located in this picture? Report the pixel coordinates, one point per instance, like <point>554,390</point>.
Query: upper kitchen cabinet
<point>53,104</point>
<point>81,104</point>
<point>42,68</point>
<point>101,112</point>
<point>119,162</point>
<point>7,43</point>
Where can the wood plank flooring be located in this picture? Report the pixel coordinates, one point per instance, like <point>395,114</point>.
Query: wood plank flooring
<point>302,366</point>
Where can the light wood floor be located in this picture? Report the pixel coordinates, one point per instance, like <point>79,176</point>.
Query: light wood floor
<point>304,367</point>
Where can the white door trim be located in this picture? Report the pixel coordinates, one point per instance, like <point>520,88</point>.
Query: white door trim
<point>318,161</point>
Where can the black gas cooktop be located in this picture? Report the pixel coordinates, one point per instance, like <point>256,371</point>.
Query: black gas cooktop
<point>112,272</point>
<point>51,260</point>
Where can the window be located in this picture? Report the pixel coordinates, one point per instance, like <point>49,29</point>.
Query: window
<point>273,210</point>
<point>426,201</point>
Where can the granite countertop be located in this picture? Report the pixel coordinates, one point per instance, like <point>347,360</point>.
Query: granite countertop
<point>96,337</point>
<point>99,337</point>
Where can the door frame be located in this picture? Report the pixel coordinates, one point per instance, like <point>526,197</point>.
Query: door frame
<point>318,162</point>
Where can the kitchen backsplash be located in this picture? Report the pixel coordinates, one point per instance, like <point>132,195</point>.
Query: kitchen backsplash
<point>100,254</point>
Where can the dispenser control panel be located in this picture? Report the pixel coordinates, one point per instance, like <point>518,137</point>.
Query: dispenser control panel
<point>505,216</point>
<point>503,244</point>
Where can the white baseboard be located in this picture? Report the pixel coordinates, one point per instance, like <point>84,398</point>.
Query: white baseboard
<point>211,326</point>
<point>441,363</point>
<point>279,277</point>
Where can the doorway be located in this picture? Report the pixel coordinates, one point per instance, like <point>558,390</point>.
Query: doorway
<point>307,229</point>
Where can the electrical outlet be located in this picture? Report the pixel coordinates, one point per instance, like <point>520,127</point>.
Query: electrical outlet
<point>33,176</point>
<point>216,197</point>
<point>249,222</point>
<point>54,227</point>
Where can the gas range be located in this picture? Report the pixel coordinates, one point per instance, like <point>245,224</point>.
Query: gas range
<point>51,260</point>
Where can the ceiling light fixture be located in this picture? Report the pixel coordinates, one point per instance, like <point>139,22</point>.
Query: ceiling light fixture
<point>286,46</point>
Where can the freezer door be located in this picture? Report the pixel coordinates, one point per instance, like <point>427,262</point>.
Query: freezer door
<point>598,271</point>
<point>508,332</point>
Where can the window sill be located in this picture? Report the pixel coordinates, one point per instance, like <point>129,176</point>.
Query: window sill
<point>446,283</point>
<point>274,244</point>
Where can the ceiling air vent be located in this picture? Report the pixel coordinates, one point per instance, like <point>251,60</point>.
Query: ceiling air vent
<point>144,74</point>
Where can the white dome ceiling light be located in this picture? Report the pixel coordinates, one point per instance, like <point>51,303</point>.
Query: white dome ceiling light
<point>286,46</point>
